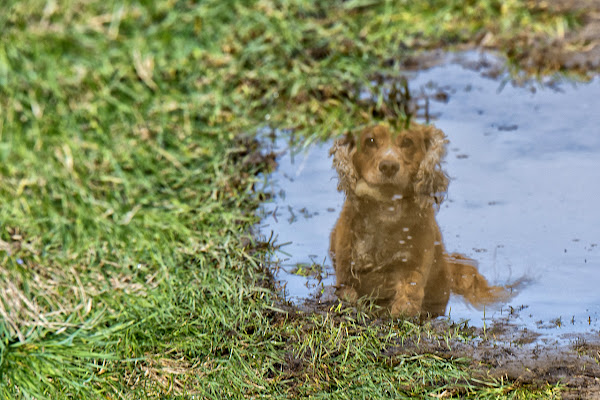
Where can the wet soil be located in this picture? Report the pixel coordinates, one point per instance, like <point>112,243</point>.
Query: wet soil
<point>578,50</point>
<point>503,352</point>
<point>575,51</point>
<point>576,366</point>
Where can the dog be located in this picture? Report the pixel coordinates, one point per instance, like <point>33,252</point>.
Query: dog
<point>386,245</point>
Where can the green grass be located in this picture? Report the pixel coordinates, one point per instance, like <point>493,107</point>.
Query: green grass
<point>127,267</point>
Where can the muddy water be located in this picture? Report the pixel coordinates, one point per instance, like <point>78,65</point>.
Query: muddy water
<point>525,183</point>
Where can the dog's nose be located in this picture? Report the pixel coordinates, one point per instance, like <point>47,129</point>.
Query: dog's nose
<point>389,168</point>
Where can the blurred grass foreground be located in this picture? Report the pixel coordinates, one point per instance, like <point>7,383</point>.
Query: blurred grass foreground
<point>127,172</point>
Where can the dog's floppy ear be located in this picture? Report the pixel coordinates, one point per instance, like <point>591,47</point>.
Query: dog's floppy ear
<point>432,182</point>
<point>342,151</point>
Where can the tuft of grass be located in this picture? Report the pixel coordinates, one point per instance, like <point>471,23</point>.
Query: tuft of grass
<point>127,172</point>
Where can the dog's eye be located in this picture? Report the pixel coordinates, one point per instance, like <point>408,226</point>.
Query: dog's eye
<point>370,142</point>
<point>406,142</point>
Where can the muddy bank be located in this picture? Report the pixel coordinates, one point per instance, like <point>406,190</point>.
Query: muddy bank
<point>566,50</point>
<point>578,50</point>
<point>505,356</point>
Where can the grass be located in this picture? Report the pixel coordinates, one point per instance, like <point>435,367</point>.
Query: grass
<point>127,172</point>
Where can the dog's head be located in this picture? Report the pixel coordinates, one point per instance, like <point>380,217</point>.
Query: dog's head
<point>387,165</point>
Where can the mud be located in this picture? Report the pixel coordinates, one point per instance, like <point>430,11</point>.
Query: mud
<point>577,50</point>
<point>503,352</point>
<point>576,366</point>
<point>573,51</point>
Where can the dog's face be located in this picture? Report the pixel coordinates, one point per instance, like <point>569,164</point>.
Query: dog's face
<point>389,161</point>
<point>385,165</point>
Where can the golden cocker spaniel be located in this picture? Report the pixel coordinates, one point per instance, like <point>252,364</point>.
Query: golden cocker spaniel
<point>386,244</point>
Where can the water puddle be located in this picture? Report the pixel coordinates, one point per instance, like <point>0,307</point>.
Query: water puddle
<point>525,182</point>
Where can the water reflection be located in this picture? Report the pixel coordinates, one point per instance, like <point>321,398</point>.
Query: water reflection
<point>386,244</point>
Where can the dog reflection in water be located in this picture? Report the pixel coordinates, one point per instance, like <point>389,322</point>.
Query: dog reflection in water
<point>386,244</point>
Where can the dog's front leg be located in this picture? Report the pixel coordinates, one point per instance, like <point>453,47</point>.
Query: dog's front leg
<point>410,290</point>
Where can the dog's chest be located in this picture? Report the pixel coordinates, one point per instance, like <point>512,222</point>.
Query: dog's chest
<point>376,247</point>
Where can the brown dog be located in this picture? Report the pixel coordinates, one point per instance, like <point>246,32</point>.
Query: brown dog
<point>386,244</point>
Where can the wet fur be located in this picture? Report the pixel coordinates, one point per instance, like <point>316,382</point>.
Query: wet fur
<point>386,243</point>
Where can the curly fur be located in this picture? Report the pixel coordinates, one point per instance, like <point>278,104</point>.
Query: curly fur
<point>342,162</point>
<point>432,181</point>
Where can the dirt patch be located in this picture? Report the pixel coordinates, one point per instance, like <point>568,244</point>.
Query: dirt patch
<point>574,365</point>
<point>577,50</point>
<point>502,352</point>
<point>502,355</point>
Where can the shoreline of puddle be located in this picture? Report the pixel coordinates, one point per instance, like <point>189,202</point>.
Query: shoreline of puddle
<point>521,203</point>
